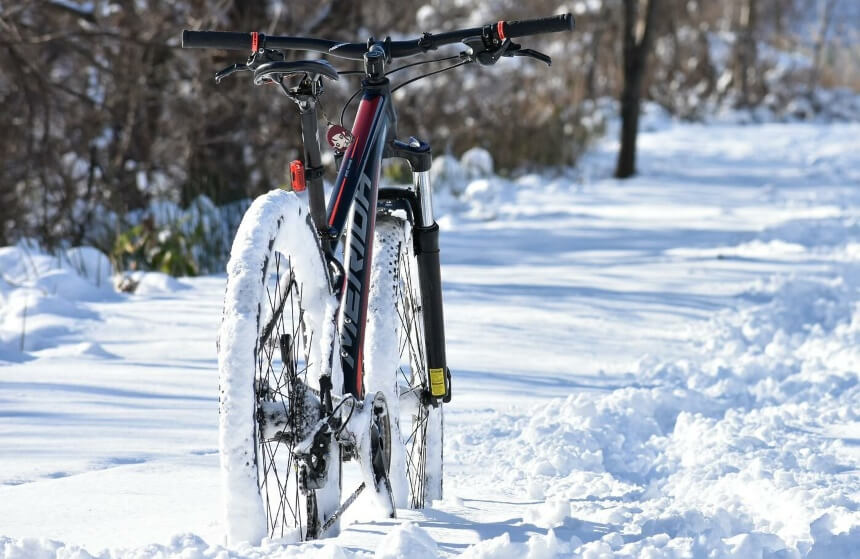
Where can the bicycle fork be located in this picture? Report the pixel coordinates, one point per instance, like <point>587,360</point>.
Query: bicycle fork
<point>426,245</point>
<point>426,238</point>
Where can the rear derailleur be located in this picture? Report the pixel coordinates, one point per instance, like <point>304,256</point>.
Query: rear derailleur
<point>348,425</point>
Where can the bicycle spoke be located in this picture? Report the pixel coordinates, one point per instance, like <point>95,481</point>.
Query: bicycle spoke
<point>282,340</point>
<point>413,372</point>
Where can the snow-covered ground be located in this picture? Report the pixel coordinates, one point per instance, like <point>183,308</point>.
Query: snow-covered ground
<point>662,367</point>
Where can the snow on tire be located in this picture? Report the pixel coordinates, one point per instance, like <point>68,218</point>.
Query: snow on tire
<point>396,365</point>
<point>274,341</point>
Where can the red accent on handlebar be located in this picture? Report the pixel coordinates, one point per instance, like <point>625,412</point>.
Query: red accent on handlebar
<point>255,41</point>
<point>500,30</point>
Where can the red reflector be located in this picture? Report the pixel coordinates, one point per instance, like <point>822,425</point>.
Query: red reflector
<point>297,175</point>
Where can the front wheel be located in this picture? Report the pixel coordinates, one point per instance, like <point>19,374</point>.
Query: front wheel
<point>397,365</point>
<point>274,343</point>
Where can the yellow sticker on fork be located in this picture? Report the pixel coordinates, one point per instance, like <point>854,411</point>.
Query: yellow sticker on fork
<point>437,382</point>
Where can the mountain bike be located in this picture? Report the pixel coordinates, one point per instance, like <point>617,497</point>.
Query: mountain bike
<point>332,344</point>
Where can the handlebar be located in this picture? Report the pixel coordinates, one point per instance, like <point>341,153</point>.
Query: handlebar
<point>514,29</point>
<point>395,49</point>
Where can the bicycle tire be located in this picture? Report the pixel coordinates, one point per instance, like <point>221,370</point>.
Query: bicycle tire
<point>394,315</point>
<point>274,341</point>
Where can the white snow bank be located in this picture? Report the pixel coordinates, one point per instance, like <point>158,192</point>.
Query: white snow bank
<point>538,546</point>
<point>26,261</point>
<point>80,350</point>
<point>477,163</point>
<point>154,283</point>
<point>185,546</point>
<point>816,232</point>
<point>747,451</point>
<point>407,540</point>
<point>41,296</point>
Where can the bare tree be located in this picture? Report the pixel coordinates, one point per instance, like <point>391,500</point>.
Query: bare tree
<point>102,112</point>
<point>820,39</point>
<point>638,38</point>
<point>601,24</point>
<point>746,51</point>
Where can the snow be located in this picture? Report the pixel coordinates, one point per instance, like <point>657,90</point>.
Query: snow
<point>151,283</point>
<point>45,299</point>
<point>660,367</point>
<point>477,163</point>
<point>42,296</point>
<point>407,540</point>
<point>382,352</point>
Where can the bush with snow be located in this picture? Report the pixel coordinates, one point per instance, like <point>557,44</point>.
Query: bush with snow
<point>44,297</point>
<point>477,163</point>
<point>448,175</point>
<point>41,295</point>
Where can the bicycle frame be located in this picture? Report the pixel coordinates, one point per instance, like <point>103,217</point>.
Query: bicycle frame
<point>350,217</point>
<point>353,205</point>
<point>353,208</point>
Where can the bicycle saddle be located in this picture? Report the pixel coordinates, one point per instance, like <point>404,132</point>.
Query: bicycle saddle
<point>312,68</point>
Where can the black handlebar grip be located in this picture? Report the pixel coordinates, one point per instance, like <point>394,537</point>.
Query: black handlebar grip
<point>216,40</point>
<point>525,27</point>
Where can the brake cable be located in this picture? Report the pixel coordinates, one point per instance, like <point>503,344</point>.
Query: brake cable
<point>404,67</point>
<point>407,82</point>
<point>421,62</point>
<point>346,105</point>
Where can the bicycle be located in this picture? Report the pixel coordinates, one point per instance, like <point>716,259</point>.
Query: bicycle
<point>332,344</point>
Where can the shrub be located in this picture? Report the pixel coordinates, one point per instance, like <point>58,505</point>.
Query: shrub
<point>168,250</point>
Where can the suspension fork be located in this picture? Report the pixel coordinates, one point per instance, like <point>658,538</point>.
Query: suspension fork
<point>426,239</point>
<point>426,244</point>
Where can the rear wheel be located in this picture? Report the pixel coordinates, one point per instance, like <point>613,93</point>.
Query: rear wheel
<point>395,337</point>
<point>271,354</point>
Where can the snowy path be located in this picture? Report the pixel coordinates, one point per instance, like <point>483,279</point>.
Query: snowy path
<point>667,365</point>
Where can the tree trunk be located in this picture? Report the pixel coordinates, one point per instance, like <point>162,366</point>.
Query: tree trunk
<point>594,56</point>
<point>746,53</point>
<point>820,40</point>
<point>635,55</point>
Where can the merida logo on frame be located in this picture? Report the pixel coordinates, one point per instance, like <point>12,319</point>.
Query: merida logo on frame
<point>359,230</point>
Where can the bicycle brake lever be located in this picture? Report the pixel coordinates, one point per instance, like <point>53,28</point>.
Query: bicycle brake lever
<point>232,69</point>
<point>534,54</point>
<point>483,56</point>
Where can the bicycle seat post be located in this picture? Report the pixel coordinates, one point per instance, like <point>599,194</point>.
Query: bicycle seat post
<point>305,95</point>
<point>313,163</point>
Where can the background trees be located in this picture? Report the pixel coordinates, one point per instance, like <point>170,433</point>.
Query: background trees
<point>102,112</point>
<point>638,36</point>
